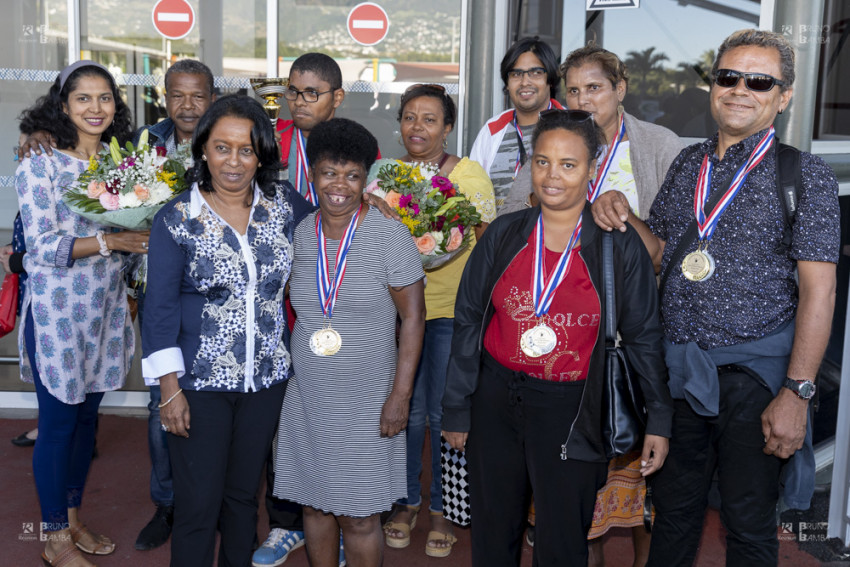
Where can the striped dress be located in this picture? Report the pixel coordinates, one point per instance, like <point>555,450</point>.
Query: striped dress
<point>330,454</point>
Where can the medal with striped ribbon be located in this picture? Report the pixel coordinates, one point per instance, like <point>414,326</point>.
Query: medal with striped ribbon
<point>520,152</point>
<point>594,188</point>
<point>302,165</point>
<point>327,341</point>
<point>699,265</point>
<point>541,339</point>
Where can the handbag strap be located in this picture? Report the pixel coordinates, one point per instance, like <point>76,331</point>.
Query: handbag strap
<point>608,279</point>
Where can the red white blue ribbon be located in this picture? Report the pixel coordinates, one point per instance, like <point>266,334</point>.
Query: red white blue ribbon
<point>519,163</point>
<point>707,223</point>
<point>544,289</point>
<point>302,165</point>
<point>328,290</point>
<point>594,188</point>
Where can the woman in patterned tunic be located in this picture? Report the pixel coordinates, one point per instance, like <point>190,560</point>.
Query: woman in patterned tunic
<point>76,338</point>
<point>339,451</point>
<point>215,335</point>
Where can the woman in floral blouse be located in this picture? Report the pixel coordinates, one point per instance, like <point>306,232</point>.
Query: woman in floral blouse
<point>214,318</point>
<point>76,338</point>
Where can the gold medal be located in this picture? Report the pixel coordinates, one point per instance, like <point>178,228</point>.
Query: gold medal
<point>325,342</point>
<point>538,341</point>
<point>698,266</point>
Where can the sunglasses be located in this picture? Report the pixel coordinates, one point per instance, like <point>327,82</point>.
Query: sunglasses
<point>757,82</point>
<point>570,114</point>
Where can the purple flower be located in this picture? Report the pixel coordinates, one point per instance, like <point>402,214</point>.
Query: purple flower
<point>443,184</point>
<point>405,200</point>
<point>438,224</point>
<point>127,163</point>
<point>414,207</point>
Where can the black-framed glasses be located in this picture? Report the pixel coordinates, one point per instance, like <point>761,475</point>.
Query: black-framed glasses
<point>533,73</point>
<point>573,115</point>
<point>757,82</point>
<point>308,95</point>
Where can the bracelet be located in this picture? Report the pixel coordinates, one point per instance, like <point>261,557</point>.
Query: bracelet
<point>168,401</point>
<point>101,239</point>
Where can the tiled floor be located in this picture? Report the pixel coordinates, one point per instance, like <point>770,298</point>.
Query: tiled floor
<point>117,503</point>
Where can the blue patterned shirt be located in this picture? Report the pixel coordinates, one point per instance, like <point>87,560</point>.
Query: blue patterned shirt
<point>214,301</point>
<point>753,290</point>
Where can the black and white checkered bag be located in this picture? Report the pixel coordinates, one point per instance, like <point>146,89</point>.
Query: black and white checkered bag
<point>455,485</point>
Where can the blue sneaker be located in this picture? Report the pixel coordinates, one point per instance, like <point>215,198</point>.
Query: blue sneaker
<point>342,562</point>
<point>277,547</point>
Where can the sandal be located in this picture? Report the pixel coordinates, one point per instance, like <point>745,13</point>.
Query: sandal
<point>403,527</point>
<point>103,545</point>
<point>433,547</point>
<point>62,558</point>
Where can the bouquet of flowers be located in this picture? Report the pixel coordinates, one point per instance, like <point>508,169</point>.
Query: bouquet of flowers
<point>438,216</point>
<point>125,187</point>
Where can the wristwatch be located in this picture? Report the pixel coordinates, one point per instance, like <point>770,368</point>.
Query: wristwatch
<point>805,389</point>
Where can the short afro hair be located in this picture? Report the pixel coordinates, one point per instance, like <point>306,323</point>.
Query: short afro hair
<point>340,140</point>
<point>191,67</point>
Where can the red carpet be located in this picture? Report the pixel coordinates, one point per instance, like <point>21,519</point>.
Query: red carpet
<point>117,503</point>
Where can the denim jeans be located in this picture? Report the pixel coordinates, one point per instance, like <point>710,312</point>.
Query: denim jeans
<point>63,450</point>
<point>162,491</point>
<point>427,402</point>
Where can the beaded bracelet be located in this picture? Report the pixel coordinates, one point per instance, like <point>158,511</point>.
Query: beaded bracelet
<point>168,401</point>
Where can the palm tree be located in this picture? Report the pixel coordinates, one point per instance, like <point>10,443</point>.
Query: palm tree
<point>644,64</point>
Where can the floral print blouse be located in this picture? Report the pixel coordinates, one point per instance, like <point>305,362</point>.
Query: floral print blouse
<point>214,310</point>
<point>83,331</point>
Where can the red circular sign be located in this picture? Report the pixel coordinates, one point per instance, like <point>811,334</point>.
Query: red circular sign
<point>368,23</point>
<point>174,19</point>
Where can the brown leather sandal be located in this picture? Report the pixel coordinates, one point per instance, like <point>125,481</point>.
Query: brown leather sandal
<point>103,545</point>
<point>62,558</point>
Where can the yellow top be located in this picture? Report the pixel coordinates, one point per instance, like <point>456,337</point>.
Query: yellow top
<point>442,283</point>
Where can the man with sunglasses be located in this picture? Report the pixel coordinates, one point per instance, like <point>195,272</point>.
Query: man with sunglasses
<point>744,341</point>
<point>530,74</point>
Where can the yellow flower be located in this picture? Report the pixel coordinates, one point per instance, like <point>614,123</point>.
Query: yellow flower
<point>92,163</point>
<point>410,223</point>
<point>167,177</point>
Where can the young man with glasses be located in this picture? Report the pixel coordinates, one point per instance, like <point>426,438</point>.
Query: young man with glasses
<point>745,335</point>
<point>530,75</point>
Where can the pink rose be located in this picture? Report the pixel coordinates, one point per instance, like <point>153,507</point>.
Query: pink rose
<point>455,239</point>
<point>109,201</point>
<point>141,192</point>
<point>392,198</point>
<point>426,243</point>
<point>96,189</point>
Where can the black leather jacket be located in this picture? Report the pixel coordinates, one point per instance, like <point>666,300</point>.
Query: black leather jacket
<point>638,324</point>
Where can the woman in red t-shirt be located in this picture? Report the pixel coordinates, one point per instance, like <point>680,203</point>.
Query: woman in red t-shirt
<point>524,383</point>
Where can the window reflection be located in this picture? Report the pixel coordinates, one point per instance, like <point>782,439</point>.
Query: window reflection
<point>832,113</point>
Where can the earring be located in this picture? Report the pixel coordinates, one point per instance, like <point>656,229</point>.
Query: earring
<point>781,110</point>
<point>445,143</point>
<point>620,109</point>
<point>204,157</point>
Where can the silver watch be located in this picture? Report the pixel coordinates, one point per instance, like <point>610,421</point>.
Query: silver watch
<point>805,389</point>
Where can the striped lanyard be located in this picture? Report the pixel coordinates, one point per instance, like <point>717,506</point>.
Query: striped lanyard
<point>594,188</point>
<point>302,165</point>
<point>520,156</point>
<point>707,223</point>
<point>544,289</point>
<point>328,290</point>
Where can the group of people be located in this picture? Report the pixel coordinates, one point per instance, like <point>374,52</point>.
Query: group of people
<point>288,326</point>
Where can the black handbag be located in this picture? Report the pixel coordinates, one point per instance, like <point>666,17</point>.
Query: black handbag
<point>623,409</point>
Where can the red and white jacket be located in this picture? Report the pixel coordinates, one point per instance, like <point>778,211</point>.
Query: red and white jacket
<point>489,138</point>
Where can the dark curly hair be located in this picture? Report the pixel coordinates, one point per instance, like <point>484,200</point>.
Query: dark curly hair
<point>340,140</point>
<point>542,51</point>
<point>262,141</point>
<point>585,127</point>
<point>434,91</point>
<point>47,113</point>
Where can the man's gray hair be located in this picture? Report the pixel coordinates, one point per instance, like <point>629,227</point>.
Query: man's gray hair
<point>761,38</point>
<point>191,67</point>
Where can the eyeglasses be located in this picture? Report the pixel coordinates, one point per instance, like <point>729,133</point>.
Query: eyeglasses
<point>757,82</point>
<point>533,73</point>
<point>570,114</point>
<point>308,96</point>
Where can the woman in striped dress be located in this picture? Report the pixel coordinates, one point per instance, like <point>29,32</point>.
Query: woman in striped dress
<point>339,452</point>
